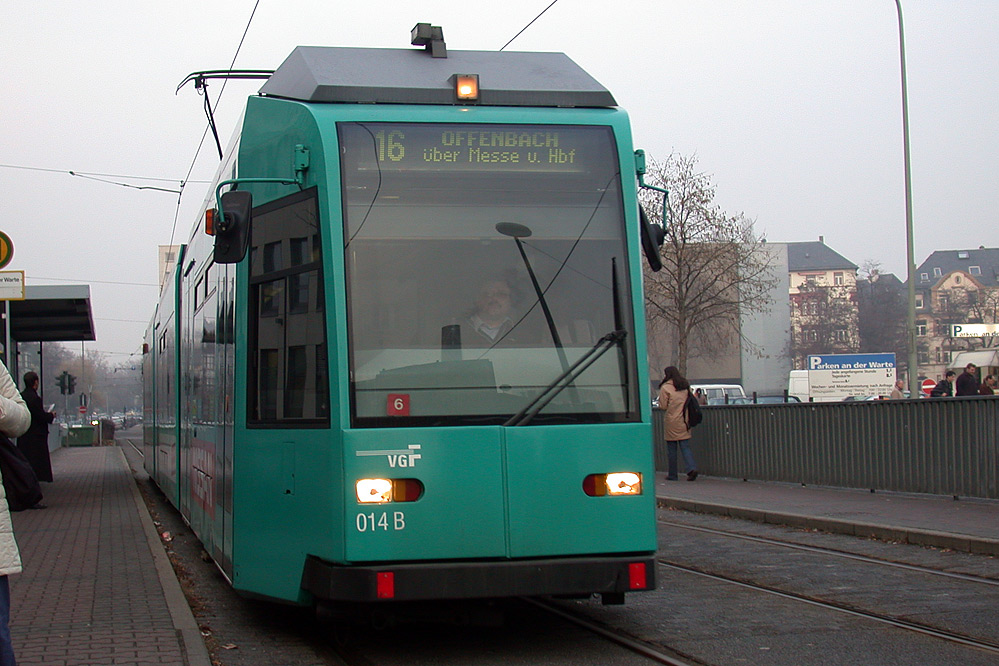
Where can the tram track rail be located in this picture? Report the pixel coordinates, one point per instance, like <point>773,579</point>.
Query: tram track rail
<point>822,550</point>
<point>926,630</point>
<point>954,637</point>
<point>651,651</point>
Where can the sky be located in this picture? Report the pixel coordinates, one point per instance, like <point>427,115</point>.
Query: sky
<point>793,107</point>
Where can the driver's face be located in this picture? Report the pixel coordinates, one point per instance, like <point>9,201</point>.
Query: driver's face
<point>494,300</point>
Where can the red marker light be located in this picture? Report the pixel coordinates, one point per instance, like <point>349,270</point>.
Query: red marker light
<point>636,576</point>
<point>385,584</point>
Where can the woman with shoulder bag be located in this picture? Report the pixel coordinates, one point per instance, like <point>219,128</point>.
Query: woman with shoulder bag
<point>673,392</point>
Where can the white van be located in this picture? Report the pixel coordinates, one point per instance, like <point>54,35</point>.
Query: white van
<point>797,384</point>
<point>716,393</point>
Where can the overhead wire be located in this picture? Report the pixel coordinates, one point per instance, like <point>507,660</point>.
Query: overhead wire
<point>528,25</point>
<point>129,284</point>
<point>208,126</point>
<point>103,177</point>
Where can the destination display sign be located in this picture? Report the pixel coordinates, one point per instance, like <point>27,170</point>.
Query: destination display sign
<point>454,147</point>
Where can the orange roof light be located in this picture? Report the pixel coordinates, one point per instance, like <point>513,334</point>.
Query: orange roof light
<point>466,87</point>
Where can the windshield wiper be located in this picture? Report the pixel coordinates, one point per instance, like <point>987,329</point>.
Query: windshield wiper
<point>565,380</point>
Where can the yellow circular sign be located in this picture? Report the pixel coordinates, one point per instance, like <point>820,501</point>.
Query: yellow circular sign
<point>6,249</point>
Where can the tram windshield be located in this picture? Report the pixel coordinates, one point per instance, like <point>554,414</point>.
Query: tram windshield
<point>480,267</point>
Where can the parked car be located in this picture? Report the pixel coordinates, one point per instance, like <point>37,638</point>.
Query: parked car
<point>748,400</point>
<point>719,391</point>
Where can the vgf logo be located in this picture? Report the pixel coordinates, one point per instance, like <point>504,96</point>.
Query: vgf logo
<point>397,457</point>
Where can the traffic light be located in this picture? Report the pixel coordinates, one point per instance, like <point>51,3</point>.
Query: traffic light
<point>61,382</point>
<point>71,384</point>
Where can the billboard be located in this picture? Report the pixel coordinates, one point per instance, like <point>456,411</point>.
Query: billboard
<point>839,376</point>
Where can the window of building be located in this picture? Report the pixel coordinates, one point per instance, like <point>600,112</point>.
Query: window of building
<point>975,270</point>
<point>962,254</point>
<point>921,328</point>
<point>925,277</point>
<point>937,272</point>
<point>838,279</point>
<point>919,301</point>
<point>840,335</point>
<point>288,377</point>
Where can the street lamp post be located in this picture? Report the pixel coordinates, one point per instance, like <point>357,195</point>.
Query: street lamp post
<point>910,265</point>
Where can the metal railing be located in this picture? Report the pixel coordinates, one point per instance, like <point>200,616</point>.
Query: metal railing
<point>944,446</point>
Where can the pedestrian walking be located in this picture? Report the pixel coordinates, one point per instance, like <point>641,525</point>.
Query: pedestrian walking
<point>14,421</point>
<point>988,386</point>
<point>34,444</point>
<point>944,387</point>
<point>967,383</point>
<point>673,392</point>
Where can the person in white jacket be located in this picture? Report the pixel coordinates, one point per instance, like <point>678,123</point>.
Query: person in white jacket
<point>14,421</point>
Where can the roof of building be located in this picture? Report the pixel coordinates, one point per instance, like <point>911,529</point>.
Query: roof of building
<point>412,76</point>
<point>982,264</point>
<point>815,256</point>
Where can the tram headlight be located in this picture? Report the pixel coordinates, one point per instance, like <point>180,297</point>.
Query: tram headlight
<point>614,483</point>
<point>374,491</point>
<point>381,491</point>
<point>624,483</point>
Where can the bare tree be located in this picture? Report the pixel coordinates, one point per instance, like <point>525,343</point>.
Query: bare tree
<point>715,268</point>
<point>827,317</point>
<point>881,313</point>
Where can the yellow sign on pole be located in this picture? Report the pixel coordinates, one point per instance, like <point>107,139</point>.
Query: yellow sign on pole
<point>6,249</point>
<point>11,285</point>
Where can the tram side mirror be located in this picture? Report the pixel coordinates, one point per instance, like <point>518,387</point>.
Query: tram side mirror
<point>652,239</point>
<point>232,232</point>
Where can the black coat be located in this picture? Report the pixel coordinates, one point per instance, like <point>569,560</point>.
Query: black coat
<point>966,384</point>
<point>35,443</point>
<point>942,389</point>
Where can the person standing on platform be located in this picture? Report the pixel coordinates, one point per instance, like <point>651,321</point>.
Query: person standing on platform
<point>967,383</point>
<point>34,444</point>
<point>988,386</point>
<point>14,422</point>
<point>673,392</point>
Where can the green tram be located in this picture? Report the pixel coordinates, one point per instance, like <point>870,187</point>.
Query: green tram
<point>409,362</point>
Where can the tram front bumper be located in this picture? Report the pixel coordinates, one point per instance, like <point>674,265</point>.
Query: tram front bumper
<point>611,576</point>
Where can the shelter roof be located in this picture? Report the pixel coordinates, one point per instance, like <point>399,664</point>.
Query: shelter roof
<point>983,358</point>
<point>52,314</point>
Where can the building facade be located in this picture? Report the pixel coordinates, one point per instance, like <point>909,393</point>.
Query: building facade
<point>822,291</point>
<point>954,287</point>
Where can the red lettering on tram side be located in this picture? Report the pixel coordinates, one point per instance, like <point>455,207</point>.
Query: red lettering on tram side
<point>202,475</point>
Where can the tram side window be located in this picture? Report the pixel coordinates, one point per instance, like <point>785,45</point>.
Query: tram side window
<point>288,382</point>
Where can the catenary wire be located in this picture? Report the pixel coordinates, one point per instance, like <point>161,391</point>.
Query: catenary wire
<point>528,25</point>
<point>204,135</point>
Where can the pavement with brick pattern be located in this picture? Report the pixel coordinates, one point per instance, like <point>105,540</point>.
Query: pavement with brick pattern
<point>97,587</point>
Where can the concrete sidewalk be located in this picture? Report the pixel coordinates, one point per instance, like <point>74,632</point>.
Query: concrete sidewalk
<point>97,586</point>
<point>965,524</point>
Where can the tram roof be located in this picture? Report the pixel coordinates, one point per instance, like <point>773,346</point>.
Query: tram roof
<point>59,313</point>
<point>411,76</point>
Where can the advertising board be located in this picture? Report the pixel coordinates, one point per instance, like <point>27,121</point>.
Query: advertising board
<point>839,376</point>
